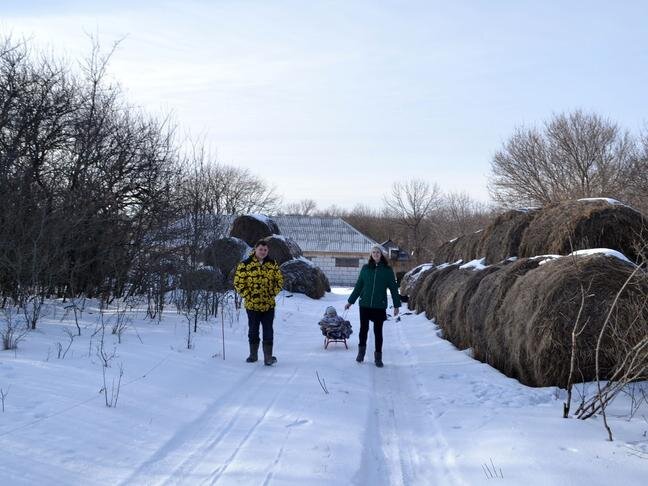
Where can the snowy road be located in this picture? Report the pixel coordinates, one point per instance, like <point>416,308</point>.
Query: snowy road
<point>278,426</point>
<point>431,416</point>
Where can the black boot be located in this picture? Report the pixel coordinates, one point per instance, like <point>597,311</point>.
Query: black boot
<point>378,359</point>
<point>361,353</point>
<point>254,352</point>
<point>268,359</point>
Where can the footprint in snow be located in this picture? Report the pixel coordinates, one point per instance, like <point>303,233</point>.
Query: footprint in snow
<point>296,423</point>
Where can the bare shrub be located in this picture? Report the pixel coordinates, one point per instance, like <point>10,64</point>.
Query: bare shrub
<point>106,358</point>
<point>13,331</point>
<point>62,353</point>
<point>3,396</point>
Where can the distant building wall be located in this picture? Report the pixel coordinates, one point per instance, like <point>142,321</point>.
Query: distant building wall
<point>342,269</point>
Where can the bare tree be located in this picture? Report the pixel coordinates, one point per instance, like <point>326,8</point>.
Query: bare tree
<point>411,204</point>
<point>575,155</point>
<point>235,190</point>
<point>83,178</point>
<point>305,207</point>
<point>637,182</point>
<point>374,223</point>
<point>459,214</point>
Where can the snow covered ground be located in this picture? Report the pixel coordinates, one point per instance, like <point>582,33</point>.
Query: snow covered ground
<point>431,416</point>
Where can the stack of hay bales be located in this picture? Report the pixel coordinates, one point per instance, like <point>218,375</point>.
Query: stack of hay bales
<point>589,223</point>
<point>540,310</point>
<point>559,228</point>
<point>300,275</point>
<point>518,314</point>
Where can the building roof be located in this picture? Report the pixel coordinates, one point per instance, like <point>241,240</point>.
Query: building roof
<point>395,252</point>
<point>314,233</point>
<point>325,234</point>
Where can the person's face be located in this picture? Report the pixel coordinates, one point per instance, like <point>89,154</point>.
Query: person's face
<point>261,252</point>
<point>375,254</point>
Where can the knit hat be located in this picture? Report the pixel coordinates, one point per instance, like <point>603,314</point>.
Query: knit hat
<point>380,249</point>
<point>330,311</point>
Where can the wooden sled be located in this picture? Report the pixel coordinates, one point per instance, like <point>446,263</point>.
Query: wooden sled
<point>328,339</point>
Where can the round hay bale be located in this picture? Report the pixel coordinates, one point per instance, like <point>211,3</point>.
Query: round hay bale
<point>226,253</point>
<point>253,227</point>
<point>452,298</point>
<point>574,225</point>
<point>464,248</point>
<point>483,312</point>
<point>445,252</point>
<point>411,282</point>
<point>501,238</point>
<point>427,298</point>
<point>304,277</point>
<point>539,311</point>
<point>281,248</point>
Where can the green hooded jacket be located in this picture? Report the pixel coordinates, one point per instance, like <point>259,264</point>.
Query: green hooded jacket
<point>372,285</point>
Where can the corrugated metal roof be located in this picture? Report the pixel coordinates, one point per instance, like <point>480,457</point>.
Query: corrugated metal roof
<point>314,233</point>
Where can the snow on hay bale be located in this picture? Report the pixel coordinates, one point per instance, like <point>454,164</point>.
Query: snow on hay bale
<point>411,282</point>
<point>588,223</point>
<point>282,248</point>
<point>253,227</point>
<point>426,300</point>
<point>302,276</point>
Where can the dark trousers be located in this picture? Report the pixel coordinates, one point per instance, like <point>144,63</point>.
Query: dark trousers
<point>258,319</point>
<point>378,316</point>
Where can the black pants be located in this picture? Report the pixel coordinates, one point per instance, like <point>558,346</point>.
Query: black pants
<point>378,316</point>
<point>258,319</point>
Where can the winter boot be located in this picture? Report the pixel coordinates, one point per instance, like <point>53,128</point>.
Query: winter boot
<point>254,352</point>
<point>378,359</point>
<point>361,353</point>
<point>268,359</point>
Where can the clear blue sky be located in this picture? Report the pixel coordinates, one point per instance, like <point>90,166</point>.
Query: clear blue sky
<point>335,100</point>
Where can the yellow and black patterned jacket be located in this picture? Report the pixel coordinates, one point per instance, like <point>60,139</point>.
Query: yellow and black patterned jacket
<point>258,283</point>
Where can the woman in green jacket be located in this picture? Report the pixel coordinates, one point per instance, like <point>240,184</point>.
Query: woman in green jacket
<point>374,280</point>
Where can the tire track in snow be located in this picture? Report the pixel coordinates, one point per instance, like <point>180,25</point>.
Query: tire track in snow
<point>176,461</point>
<point>280,390</point>
<point>443,457</point>
<point>414,449</point>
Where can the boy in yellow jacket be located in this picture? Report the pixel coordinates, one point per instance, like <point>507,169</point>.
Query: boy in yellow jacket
<point>258,280</point>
